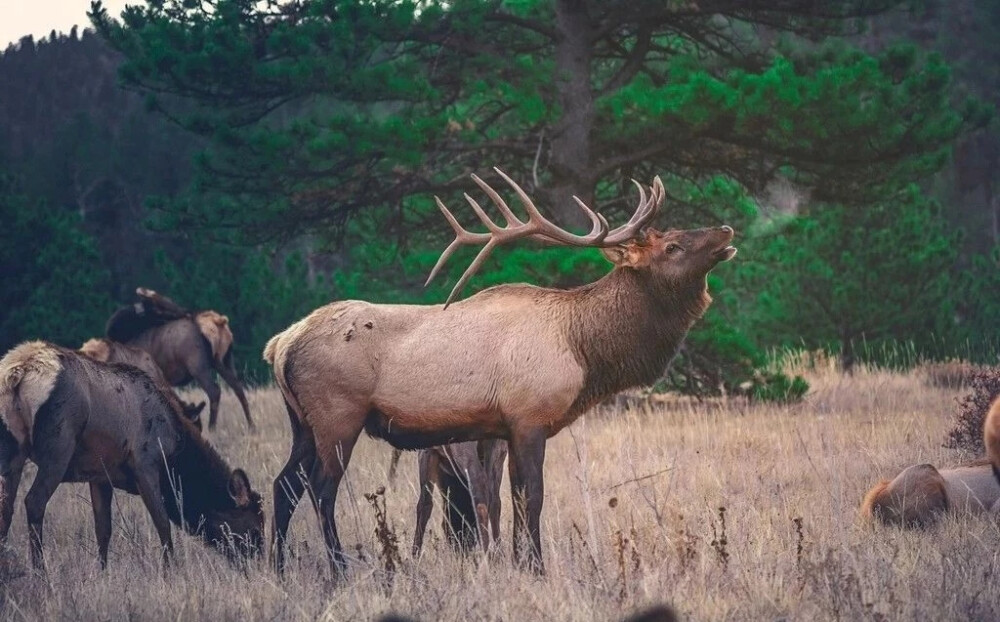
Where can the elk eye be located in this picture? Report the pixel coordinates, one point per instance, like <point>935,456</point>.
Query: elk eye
<point>672,248</point>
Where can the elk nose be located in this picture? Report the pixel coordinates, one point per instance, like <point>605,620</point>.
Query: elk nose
<point>726,228</point>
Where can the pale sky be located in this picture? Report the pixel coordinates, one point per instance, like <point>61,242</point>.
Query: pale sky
<point>40,17</point>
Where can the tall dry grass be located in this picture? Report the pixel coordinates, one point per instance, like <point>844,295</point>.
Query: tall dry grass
<point>729,511</point>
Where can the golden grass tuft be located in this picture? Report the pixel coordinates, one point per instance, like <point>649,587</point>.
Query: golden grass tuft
<point>727,510</point>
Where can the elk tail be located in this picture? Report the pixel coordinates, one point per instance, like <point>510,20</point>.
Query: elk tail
<point>991,437</point>
<point>276,354</point>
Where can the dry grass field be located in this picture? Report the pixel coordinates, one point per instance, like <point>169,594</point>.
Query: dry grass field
<point>727,511</point>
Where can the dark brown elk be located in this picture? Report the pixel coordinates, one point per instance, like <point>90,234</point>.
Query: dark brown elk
<point>469,476</point>
<point>186,346</point>
<point>109,425</point>
<point>109,351</point>
<point>514,362</point>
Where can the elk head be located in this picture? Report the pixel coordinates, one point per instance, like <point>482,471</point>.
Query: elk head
<point>239,530</point>
<point>675,256</point>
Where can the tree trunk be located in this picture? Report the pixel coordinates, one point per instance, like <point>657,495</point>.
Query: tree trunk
<point>847,355</point>
<point>570,144</point>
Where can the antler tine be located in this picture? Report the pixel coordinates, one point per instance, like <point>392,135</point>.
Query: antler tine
<point>551,231</point>
<point>599,224</point>
<point>647,209</point>
<point>536,227</point>
<point>462,237</point>
<point>498,201</point>
<point>483,216</point>
<point>473,267</point>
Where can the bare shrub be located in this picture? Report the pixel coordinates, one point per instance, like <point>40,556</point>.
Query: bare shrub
<point>388,541</point>
<point>967,433</point>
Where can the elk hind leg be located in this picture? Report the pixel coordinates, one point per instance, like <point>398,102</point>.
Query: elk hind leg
<point>54,446</point>
<point>289,486</point>
<point>335,435</point>
<point>227,369</point>
<point>12,460</point>
<point>50,475</point>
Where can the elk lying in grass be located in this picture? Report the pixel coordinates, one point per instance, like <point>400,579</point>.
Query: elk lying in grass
<point>109,425</point>
<point>514,362</point>
<point>108,351</point>
<point>469,476</point>
<point>921,494</point>
<point>186,346</point>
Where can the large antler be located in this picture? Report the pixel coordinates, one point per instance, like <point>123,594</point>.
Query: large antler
<point>537,227</point>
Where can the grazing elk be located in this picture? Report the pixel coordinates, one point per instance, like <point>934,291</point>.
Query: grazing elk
<point>514,362</point>
<point>468,475</point>
<point>109,425</point>
<point>186,346</point>
<point>108,351</point>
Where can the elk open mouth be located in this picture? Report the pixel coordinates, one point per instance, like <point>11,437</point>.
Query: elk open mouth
<point>725,253</point>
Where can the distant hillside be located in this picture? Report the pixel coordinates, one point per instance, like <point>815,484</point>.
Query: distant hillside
<point>80,142</point>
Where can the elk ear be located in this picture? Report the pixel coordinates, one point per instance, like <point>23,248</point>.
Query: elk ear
<point>239,488</point>
<point>629,255</point>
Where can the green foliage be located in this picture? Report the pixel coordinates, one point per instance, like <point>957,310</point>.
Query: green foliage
<point>838,279</point>
<point>260,295</point>
<point>53,285</point>
<point>339,117</point>
<point>778,387</point>
<point>978,307</point>
<point>321,110</point>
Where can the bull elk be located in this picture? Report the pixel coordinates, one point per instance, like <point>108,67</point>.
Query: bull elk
<point>110,425</point>
<point>514,362</point>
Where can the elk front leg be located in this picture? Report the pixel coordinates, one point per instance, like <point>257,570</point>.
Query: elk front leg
<point>147,479</point>
<point>527,456</point>
<point>393,465</point>
<point>101,494</point>
<point>203,376</point>
<point>495,452</point>
<point>427,461</point>
<point>479,487</point>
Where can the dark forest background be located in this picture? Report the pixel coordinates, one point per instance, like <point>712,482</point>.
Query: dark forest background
<point>262,159</point>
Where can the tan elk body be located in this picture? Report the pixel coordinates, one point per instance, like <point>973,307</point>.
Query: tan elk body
<point>515,362</point>
<point>921,493</point>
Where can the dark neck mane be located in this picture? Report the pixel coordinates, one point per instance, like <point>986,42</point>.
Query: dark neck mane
<point>200,477</point>
<point>626,328</point>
